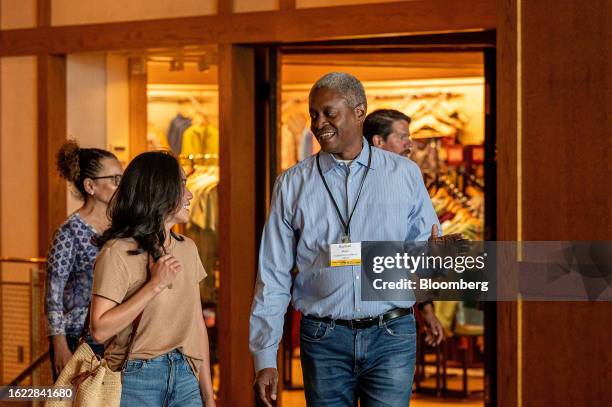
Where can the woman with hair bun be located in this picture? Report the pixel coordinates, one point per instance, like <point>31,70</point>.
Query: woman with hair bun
<point>95,174</point>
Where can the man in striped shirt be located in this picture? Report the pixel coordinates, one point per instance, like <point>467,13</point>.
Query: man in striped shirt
<point>349,192</point>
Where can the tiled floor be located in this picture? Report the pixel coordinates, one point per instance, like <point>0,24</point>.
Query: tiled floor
<point>295,398</point>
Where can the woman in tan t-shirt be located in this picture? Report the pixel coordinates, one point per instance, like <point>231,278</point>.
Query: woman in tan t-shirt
<point>146,276</point>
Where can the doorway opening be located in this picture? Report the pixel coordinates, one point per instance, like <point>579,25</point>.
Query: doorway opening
<point>446,85</point>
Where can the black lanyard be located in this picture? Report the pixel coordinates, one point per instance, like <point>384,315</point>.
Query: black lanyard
<point>346,225</point>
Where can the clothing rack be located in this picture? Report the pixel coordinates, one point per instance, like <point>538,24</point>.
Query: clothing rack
<point>200,159</point>
<point>475,182</point>
<point>416,96</point>
<point>195,100</point>
<point>453,190</point>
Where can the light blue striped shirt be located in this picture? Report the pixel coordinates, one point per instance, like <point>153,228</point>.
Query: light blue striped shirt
<point>394,206</point>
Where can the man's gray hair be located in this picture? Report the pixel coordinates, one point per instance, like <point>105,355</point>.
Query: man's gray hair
<point>344,84</point>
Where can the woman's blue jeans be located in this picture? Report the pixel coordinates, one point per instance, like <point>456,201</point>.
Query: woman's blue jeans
<point>166,380</point>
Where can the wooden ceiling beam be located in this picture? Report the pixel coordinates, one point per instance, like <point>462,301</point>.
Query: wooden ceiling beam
<point>383,19</point>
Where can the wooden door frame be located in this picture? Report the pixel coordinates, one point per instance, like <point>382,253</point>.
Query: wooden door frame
<point>508,138</point>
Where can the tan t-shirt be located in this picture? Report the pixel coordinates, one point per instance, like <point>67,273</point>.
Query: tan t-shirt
<point>169,320</point>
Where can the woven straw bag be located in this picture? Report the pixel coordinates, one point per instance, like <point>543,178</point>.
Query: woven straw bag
<point>94,383</point>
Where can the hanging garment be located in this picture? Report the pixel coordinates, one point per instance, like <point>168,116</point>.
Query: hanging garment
<point>203,208</point>
<point>156,140</point>
<point>200,139</point>
<point>204,222</point>
<point>178,125</point>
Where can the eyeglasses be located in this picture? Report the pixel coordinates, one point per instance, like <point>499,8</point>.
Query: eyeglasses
<point>116,179</point>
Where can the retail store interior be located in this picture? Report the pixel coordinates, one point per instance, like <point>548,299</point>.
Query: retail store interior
<point>442,92</point>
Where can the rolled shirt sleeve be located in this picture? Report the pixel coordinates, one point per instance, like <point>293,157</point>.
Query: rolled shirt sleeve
<point>273,286</point>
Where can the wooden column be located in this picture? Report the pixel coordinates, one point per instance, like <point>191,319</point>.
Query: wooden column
<point>287,4</point>
<point>52,129</point>
<point>51,135</point>
<point>1,276</point>
<point>237,236</point>
<point>138,105</point>
<point>507,192</point>
<point>225,6</point>
<point>51,70</point>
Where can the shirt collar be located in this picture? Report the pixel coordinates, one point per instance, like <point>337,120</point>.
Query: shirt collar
<point>328,161</point>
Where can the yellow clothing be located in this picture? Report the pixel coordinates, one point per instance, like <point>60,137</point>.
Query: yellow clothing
<point>200,139</point>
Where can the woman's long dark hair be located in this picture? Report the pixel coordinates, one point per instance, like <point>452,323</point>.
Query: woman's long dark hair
<point>151,189</point>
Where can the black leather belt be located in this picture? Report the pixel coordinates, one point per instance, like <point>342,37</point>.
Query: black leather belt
<point>366,322</point>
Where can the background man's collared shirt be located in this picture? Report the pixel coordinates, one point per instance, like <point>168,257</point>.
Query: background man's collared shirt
<point>394,206</point>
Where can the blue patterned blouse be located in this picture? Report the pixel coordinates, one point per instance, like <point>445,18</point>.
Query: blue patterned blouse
<point>69,276</point>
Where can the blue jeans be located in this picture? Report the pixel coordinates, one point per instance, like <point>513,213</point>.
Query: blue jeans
<point>166,380</point>
<point>341,365</point>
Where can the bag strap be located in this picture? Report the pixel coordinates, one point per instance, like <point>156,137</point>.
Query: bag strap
<point>135,325</point>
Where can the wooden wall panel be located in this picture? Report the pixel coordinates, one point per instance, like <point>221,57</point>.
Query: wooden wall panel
<point>237,237</point>
<point>567,97</point>
<point>69,12</point>
<point>17,14</point>
<point>567,186</point>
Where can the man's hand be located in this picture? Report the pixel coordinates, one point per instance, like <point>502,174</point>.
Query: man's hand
<point>62,353</point>
<point>266,386</point>
<point>454,243</point>
<point>433,327</point>
<point>455,237</point>
<point>209,401</point>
